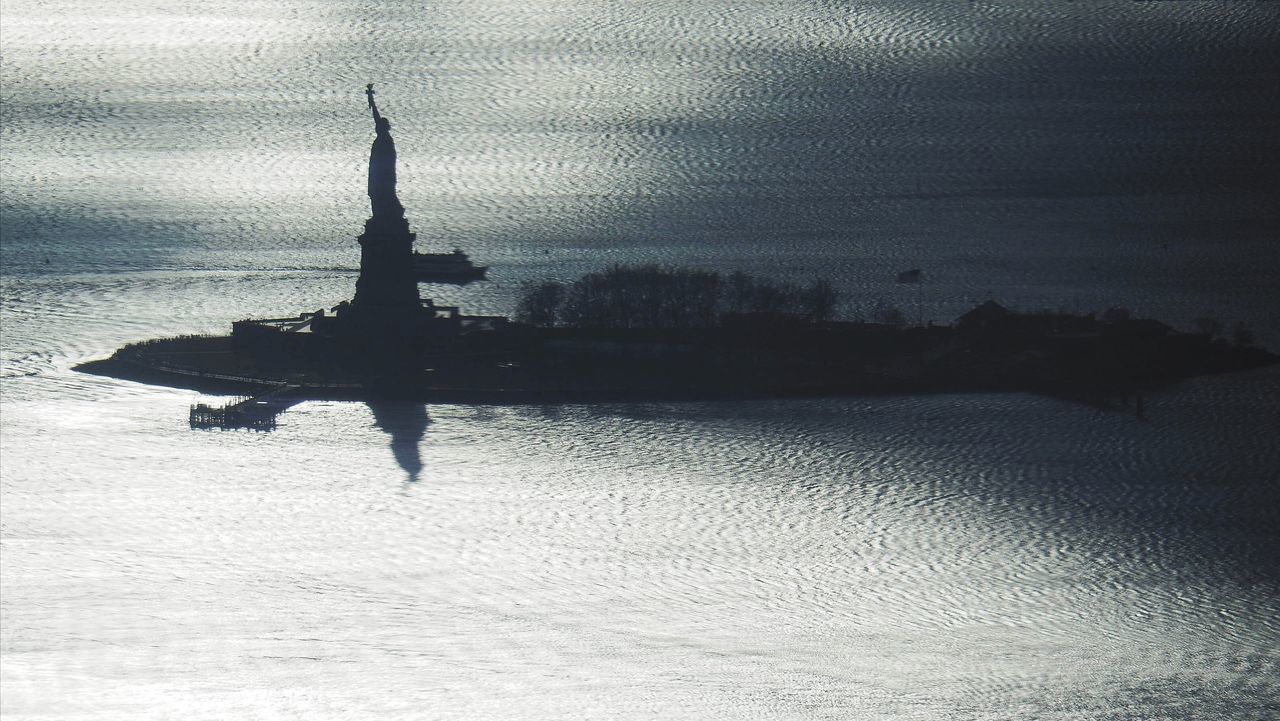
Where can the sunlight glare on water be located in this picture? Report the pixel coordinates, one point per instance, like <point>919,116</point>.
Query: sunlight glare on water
<point>169,169</point>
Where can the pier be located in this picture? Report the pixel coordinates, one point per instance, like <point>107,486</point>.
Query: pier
<point>257,413</point>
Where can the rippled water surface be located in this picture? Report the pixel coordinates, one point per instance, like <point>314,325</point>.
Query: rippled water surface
<point>169,168</point>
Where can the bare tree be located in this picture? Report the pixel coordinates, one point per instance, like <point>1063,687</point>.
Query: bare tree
<point>882,312</point>
<point>819,300</point>
<point>1209,327</point>
<point>1242,334</point>
<point>540,304</point>
<point>650,296</point>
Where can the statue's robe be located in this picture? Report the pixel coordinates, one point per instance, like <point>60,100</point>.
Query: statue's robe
<point>382,177</point>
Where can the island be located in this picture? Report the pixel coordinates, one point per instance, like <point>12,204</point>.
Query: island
<point>649,333</point>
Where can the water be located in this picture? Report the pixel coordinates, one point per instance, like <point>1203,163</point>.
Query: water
<point>168,170</point>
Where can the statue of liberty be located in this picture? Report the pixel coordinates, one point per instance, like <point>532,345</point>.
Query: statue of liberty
<point>382,167</point>
<point>386,283</point>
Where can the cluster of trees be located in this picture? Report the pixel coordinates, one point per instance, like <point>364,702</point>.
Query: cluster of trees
<point>1212,328</point>
<point>650,296</point>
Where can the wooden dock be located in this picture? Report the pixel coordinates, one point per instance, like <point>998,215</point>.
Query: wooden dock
<point>257,413</point>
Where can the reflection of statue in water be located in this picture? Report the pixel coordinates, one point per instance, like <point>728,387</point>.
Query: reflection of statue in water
<point>382,167</point>
<point>406,423</point>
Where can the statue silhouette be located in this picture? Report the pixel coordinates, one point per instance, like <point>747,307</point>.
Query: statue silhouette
<point>406,423</point>
<point>386,292</point>
<point>382,167</point>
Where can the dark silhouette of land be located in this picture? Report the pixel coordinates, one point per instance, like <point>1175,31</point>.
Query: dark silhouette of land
<point>643,333</point>
<point>1105,360</point>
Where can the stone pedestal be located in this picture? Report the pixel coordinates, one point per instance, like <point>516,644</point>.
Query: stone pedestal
<point>386,321</point>
<point>386,266</point>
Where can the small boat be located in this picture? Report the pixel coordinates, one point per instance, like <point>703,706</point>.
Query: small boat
<point>453,267</point>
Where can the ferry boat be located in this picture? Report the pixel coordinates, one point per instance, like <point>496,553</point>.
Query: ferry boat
<point>453,267</point>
